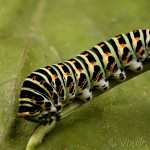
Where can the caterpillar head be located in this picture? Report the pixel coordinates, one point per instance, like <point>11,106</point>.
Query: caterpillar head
<point>33,110</point>
<point>43,117</point>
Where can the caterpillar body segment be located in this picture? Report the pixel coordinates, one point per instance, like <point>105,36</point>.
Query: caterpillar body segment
<point>69,81</point>
<point>82,79</point>
<point>138,43</point>
<point>46,90</point>
<point>97,74</point>
<point>127,56</point>
<point>111,63</point>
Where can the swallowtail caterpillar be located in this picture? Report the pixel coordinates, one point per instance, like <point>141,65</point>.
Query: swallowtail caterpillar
<point>47,90</point>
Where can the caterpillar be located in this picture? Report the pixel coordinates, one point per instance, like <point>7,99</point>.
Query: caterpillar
<point>47,90</point>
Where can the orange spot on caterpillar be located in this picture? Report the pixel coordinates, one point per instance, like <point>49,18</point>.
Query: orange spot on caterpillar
<point>140,50</point>
<point>118,37</point>
<point>70,86</point>
<point>93,63</point>
<point>97,76</point>
<point>67,73</point>
<point>86,54</point>
<point>54,76</point>
<point>101,45</point>
<point>137,38</point>
<point>73,61</point>
<point>80,70</point>
<point>60,91</point>
<point>127,57</point>
<point>42,82</point>
<point>34,78</point>
<point>108,54</point>
<point>123,45</point>
<point>112,67</point>
<point>51,95</point>
<point>61,65</point>
<point>43,105</point>
<point>83,84</point>
<point>49,68</point>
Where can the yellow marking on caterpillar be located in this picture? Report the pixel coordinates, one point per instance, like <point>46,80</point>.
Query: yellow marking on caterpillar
<point>28,100</point>
<point>24,114</point>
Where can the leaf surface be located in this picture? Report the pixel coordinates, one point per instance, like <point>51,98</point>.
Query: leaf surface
<point>36,33</point>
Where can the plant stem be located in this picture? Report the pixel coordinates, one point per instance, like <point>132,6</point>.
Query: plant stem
<point>39,134</point>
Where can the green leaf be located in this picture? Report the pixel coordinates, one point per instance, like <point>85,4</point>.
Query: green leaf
<point>36,33</point>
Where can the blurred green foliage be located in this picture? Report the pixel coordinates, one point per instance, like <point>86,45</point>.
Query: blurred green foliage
<point>36,33</point>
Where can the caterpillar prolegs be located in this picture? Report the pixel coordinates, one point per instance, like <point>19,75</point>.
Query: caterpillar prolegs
<point>46,90</point>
